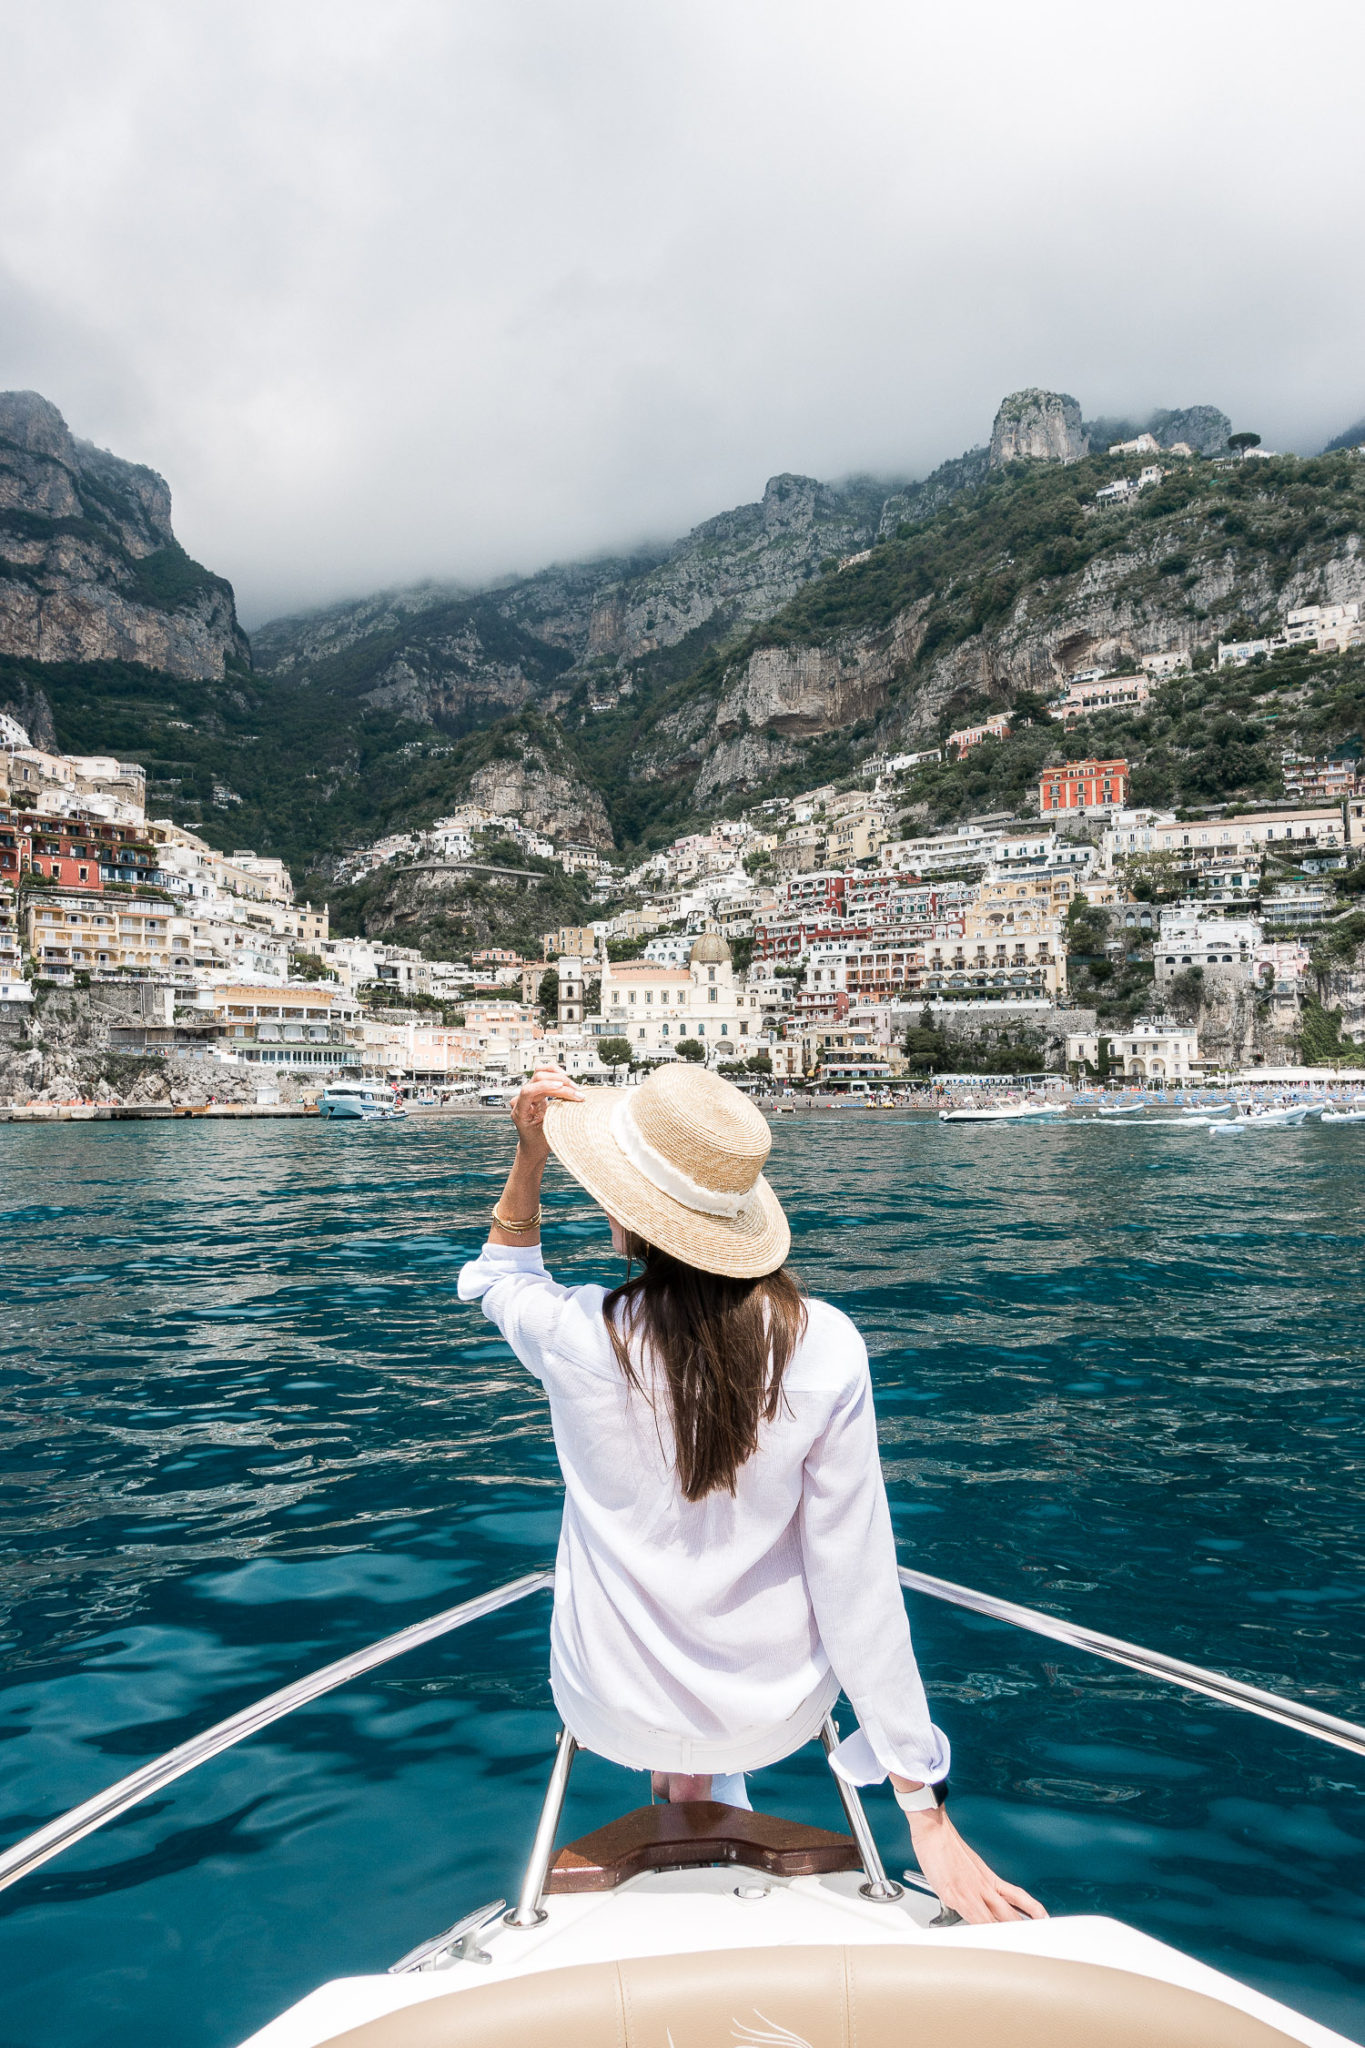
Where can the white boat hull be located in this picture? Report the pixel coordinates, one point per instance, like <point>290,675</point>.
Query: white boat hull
<point>1008,1113</point>
<point>1265,1120</point>
<point>726,1921</point>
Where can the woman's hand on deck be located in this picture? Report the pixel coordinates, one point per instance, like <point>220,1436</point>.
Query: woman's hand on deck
<point>547,1084</point>
<point>965,1884</point>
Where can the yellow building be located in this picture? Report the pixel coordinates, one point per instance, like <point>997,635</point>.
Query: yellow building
<point>1013,943</point>
<point>289,1024</point>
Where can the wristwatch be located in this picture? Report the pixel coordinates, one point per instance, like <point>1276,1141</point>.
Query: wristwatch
<point>925,1799</point>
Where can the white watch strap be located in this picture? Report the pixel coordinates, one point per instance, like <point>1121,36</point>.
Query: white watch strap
<point>920,1801</point>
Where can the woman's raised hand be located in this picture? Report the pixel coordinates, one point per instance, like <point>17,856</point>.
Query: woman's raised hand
<point>963,1881</point>
<point>547,1084</point>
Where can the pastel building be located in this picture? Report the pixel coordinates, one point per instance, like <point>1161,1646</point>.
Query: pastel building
<point>1153,1049</point>
<point>653,1005</point>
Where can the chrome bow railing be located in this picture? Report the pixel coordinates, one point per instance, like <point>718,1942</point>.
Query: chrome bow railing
<point>49,1841</point>
<point>1215,1685</point>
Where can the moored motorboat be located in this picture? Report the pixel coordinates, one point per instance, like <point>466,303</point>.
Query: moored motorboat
<point>368,1101</point>
<point>1001,1113</point>
<point>1261,1116</point>
<point>1353,1112</point>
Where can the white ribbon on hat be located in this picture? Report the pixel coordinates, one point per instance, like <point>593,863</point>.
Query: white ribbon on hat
<point>662,1174</point>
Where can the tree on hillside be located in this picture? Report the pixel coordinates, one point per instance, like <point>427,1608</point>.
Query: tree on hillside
<point>691,1049</point>
<point>614,1052</point>
<point>547,995</point>
<point>1239,443</point>
<point>926,1048</point>
<point>1152,877</point>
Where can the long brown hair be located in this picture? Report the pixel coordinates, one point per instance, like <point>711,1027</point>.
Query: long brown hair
<point>722,1347</point>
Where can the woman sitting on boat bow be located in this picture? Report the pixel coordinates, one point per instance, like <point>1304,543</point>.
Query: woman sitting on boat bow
<point>726,1563</point>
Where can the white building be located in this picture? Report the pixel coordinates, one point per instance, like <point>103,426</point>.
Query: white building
<point>1218,946</point>
<point>653,1006</point>
<point>1314,830</point>
<point>1159,666</point>
<point>1327,627</point>
<point>1296,903</point>
<point>357,962</point>
<point>970,845</point>
<point>1041,853</point>
<point>1103,695</point>
<point>1153,1049</point>
<point>673,950</point>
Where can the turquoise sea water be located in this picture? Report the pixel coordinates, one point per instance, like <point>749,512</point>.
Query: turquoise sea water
<point>248,1427</point>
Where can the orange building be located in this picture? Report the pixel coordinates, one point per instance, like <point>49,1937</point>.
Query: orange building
<point>1083,786</point>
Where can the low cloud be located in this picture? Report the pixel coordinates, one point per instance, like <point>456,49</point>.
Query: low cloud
<point>452,290</point>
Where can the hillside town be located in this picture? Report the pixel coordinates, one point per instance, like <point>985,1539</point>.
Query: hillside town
<point>809,942</point>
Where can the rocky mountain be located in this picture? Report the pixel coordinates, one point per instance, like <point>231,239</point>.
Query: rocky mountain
<point>572,638</point>
<point>778,644</point>
<point>1038,426</point>
<point>1354,437</point>
<point>1202,428</point>
<point>1005,593</point>
<point>90,569</point>
<point>530,774</point>
<point>454,658</point>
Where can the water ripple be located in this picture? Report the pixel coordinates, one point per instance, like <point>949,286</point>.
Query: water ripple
<point>248,1426</point>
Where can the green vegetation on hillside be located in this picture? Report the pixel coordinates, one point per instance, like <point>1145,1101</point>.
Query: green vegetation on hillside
<point>170,578</point>
<point>1208,737</point>
<point>250,761</point>
<point>1015,550</point>
<point>449,916</point>
<point>304,770</point>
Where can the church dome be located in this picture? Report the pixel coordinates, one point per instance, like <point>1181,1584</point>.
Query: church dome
<point>710,950</point>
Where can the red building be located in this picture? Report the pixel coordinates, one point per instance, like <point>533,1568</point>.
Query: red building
<point>1083,786</point>
<point>80,852</point>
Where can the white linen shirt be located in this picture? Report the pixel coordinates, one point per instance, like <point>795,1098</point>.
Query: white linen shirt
<point>714,1635</point>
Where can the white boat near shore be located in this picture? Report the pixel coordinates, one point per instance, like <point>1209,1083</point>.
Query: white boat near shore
<point>1262,1116</point>
<point>1352,1113</point>
<point>368,1101</point>
<point>1002,1113</point>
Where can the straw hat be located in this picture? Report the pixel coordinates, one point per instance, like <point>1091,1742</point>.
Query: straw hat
<point>678,1161</point>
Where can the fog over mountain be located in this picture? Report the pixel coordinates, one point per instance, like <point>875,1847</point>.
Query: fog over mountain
<point>454,290</point>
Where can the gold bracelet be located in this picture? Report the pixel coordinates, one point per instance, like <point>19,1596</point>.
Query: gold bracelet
<point>517,1229</point>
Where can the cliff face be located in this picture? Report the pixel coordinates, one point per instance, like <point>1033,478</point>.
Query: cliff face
<point>1121,605</point>
<point>740,567</point>
<point>449,656</point>
<point>90,569</point>
<point>785,695</point>
<point>546,795</point>
<point>1038,426</point>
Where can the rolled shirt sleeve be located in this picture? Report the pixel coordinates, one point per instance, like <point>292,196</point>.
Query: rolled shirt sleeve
<point>849,1556</point>
<point>516,1293</point>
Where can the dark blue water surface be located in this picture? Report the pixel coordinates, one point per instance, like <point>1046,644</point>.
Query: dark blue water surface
<point>249,1427</point>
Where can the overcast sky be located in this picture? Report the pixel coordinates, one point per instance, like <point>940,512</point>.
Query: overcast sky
<point>455,287</point>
